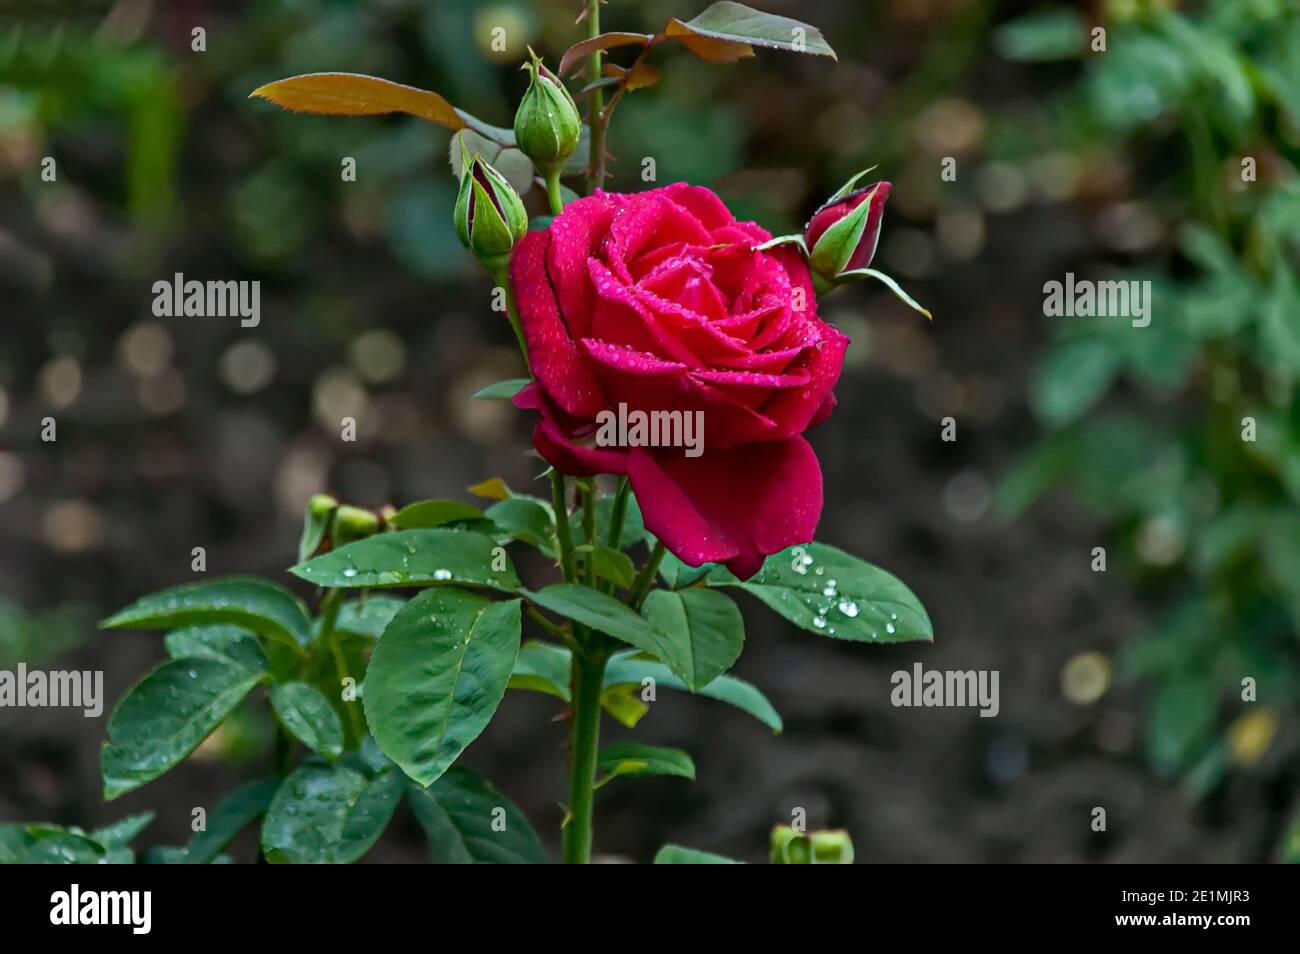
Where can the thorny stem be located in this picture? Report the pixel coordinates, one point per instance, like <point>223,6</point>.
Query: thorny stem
<point>587,670</point>
<point>597,119</point>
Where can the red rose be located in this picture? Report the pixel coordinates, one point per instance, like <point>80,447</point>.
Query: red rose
<point>659,302</point>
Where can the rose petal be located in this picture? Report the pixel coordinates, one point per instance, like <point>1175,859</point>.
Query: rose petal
<point>552,354</point>
<point>733,507</point>
<point>574,459</point>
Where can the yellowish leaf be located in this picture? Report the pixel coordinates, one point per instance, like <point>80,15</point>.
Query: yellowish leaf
<point>352,94</point>
<point>494,487</point>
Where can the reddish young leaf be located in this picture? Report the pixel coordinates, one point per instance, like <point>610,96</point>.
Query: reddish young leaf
<point>606,41</point>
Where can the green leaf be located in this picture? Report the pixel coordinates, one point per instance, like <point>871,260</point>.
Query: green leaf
<point>1279,329</point>
<point>309,717</point>
<point>412,558</point>
<point>220,642</point>
<point>231,815</point>
<point>368,616</point>
<point>328,814</point>
<point>606,614</point>
<point>120,833</point>
<point>635,758</point>
<point>438,675</point>
<point>526,520</point>
<point>677,574</point>
<point>735,23</point>
<point>261,606</point>
<point>1071,378</point>
<point>613,565</point>
<point>629,669</point>
<point>677,855</point>
<point>40,844</point>
<point>165,716</point>
<point>460,813</point>
<point>433,513</point>
<point>502,390</point>
<point>542,667</point>
<point>1181,721</point>
<point>705,630</point>
<point>827,591</point>
<point>1042,36</point>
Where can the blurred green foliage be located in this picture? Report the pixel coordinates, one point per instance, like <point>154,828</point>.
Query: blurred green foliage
<point>1202,493</point>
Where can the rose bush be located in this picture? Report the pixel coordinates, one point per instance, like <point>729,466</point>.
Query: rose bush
<point>662,301</point>
<point>659,305</point>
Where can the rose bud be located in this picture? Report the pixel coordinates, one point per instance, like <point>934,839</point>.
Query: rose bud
<point>489,216</point>
<point>353,523</point>
<point>790,847</point>
<point>842,235</point>
<point>321,506</point>
<point>547,124</point>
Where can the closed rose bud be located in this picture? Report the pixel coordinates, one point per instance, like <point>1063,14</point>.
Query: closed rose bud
<point>489,216</point>
<point>547,124</point>
<point>842,235</point>
<point>353,523</point>
<point>321,506</point>
<point>790,847</point>
<point>831,847</point>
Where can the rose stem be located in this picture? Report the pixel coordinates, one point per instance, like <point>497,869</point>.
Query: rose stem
<point>596,117</point>
<point>587,670</point>
<point>588,675</point>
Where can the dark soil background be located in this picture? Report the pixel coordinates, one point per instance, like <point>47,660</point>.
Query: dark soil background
<point>171,440</point>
